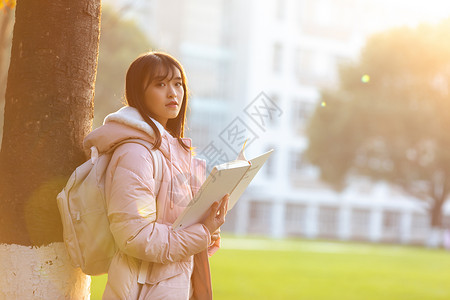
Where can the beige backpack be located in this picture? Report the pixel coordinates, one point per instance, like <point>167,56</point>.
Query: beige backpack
<point>82,206</point>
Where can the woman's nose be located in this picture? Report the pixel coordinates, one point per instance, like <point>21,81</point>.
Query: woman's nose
<point>172,92</point>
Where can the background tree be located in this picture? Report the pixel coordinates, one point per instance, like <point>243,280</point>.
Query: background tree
<point>121,41</point>
<point>48,111</point>
<point>390,116</point>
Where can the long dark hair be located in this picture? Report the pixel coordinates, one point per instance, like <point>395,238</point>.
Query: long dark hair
<point>142,71</point>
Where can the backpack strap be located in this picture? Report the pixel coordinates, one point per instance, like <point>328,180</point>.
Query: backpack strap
<point>157,161</point>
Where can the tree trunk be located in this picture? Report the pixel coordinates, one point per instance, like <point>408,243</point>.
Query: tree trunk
<point>435,237</point>
<point>48,112</point>
<point>436,213</point>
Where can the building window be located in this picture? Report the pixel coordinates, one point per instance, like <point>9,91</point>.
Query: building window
<point>207,77</point>
<point>296,64</point>
<point>314,67</point>
<point>273,119</point>
<point>300,114</point>
<point>360,223</point>
<point>323,12</point>
<point>391,226</point>
<point>269,165</point>
<point>305,65</point>
<point>200,134</point>
<point>328,221</point>
<point>327,19</point>
<point>280,9</point>
<point>259,217</point>
<point>297,162</point>
<point>277,58</point>
<point>420,226</point>
<point>295,220</point>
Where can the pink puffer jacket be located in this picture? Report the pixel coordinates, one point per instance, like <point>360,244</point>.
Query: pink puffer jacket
<point>141,221</point>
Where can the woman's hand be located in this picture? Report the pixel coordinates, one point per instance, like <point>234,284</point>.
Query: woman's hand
<point>216,216</point>
<point>215,243</point>
<point>215,236</point>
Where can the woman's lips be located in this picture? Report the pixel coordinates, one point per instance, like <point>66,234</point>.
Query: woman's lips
<point>172,104</point>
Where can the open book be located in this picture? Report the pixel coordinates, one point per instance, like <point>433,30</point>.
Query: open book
<point>232,177</point>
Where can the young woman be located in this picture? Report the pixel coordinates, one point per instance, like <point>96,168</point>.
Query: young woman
<point>153,261</point>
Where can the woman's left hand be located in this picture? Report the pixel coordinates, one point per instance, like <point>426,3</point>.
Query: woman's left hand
<point>215,242</point>
<point>215,236</point>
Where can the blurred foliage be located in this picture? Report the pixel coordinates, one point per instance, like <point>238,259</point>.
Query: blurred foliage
<point>388,120</point>
<point>6,28</point>
<point>4,4</point>
<point>121,41</point>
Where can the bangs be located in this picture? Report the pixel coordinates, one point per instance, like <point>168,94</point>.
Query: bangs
<point>160,70</point>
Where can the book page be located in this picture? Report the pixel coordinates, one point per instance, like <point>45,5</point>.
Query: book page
<point>218,183</point>
<point>256,164</point>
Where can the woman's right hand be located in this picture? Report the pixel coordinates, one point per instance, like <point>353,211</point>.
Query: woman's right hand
<point>217,213</point>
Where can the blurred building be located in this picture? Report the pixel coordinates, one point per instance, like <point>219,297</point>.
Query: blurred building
<point>255,69</point>
<point>197,33</point>
<point>294,50</point>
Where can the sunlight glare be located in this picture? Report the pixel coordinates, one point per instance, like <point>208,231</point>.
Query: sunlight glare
<point>365,78</point>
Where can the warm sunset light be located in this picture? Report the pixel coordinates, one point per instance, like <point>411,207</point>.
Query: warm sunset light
<point>412,12</point>
<point>241,149</point>
<point>8,3</point>
<point>365,78</point>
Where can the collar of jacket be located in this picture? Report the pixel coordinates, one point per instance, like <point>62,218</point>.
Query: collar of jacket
<point>127,123</point>
<point>130,116</point>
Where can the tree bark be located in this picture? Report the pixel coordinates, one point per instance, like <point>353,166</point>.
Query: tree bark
<point>48,112</point>
<point>40,273</point>
<point>436,234</point>
<point>436,213</point>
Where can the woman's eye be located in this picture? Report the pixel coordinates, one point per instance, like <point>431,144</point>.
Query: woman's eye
<point>178,84</point>
<point>161,84</point>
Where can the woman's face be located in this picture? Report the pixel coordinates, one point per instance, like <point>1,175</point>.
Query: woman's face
<point>164,96</point>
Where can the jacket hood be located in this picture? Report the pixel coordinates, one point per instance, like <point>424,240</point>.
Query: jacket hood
<point>127,123</point>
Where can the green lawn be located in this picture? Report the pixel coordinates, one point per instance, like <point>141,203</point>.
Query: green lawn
<point>254,268</point>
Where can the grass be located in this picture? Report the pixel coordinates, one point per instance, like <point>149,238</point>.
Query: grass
<point>254,268</point>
